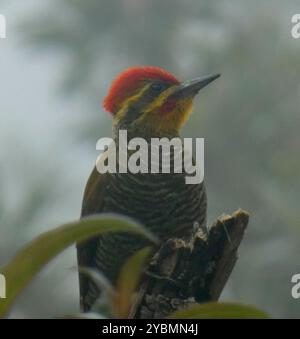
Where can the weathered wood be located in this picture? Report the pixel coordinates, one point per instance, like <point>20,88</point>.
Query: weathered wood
<point>183,272</point>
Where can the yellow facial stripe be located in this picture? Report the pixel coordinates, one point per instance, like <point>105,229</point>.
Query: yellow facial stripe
<point>128,101</point>
<point>153,117</point>
<point>171,121</point>
<point>159,101</point>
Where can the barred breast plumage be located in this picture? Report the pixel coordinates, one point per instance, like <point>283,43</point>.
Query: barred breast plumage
<point>164,203</point>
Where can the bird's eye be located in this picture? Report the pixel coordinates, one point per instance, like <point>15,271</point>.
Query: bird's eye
<point>157,87</point>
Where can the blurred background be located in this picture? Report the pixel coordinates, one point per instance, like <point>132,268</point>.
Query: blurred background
<point>55,66</point>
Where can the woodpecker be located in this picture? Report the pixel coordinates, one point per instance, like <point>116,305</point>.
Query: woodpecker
<point>147,102</point>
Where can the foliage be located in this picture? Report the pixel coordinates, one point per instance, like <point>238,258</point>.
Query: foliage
<point>34,256</point>
<point>31,259</point>
<point>219,311</point>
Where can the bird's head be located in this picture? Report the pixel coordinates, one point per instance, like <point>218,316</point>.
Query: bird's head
<point>151,101</point>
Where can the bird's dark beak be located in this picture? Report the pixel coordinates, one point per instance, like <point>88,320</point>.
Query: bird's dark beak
<point>192,87</point>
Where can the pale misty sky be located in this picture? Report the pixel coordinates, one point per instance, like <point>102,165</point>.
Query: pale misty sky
<point>34,145</point>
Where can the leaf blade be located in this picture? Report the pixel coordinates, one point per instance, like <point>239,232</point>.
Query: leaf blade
<point>33,256</point>
<point>127,283</point>
<point>219,311</point>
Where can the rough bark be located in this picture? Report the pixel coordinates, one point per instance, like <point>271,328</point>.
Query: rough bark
<point>183,272</point>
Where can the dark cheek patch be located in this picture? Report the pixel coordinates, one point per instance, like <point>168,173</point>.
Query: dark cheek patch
<point>168,106</point>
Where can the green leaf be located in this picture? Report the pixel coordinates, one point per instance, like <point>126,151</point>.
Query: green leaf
<point>127,283</point>
<point>34,256</point>
<point>219,311</point>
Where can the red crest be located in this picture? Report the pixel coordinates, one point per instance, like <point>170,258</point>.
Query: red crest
<point>129,80</point>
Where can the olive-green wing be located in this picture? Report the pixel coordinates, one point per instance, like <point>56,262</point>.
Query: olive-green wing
<point>93,203</point>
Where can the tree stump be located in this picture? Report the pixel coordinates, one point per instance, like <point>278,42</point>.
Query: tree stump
<point>183,272</point>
